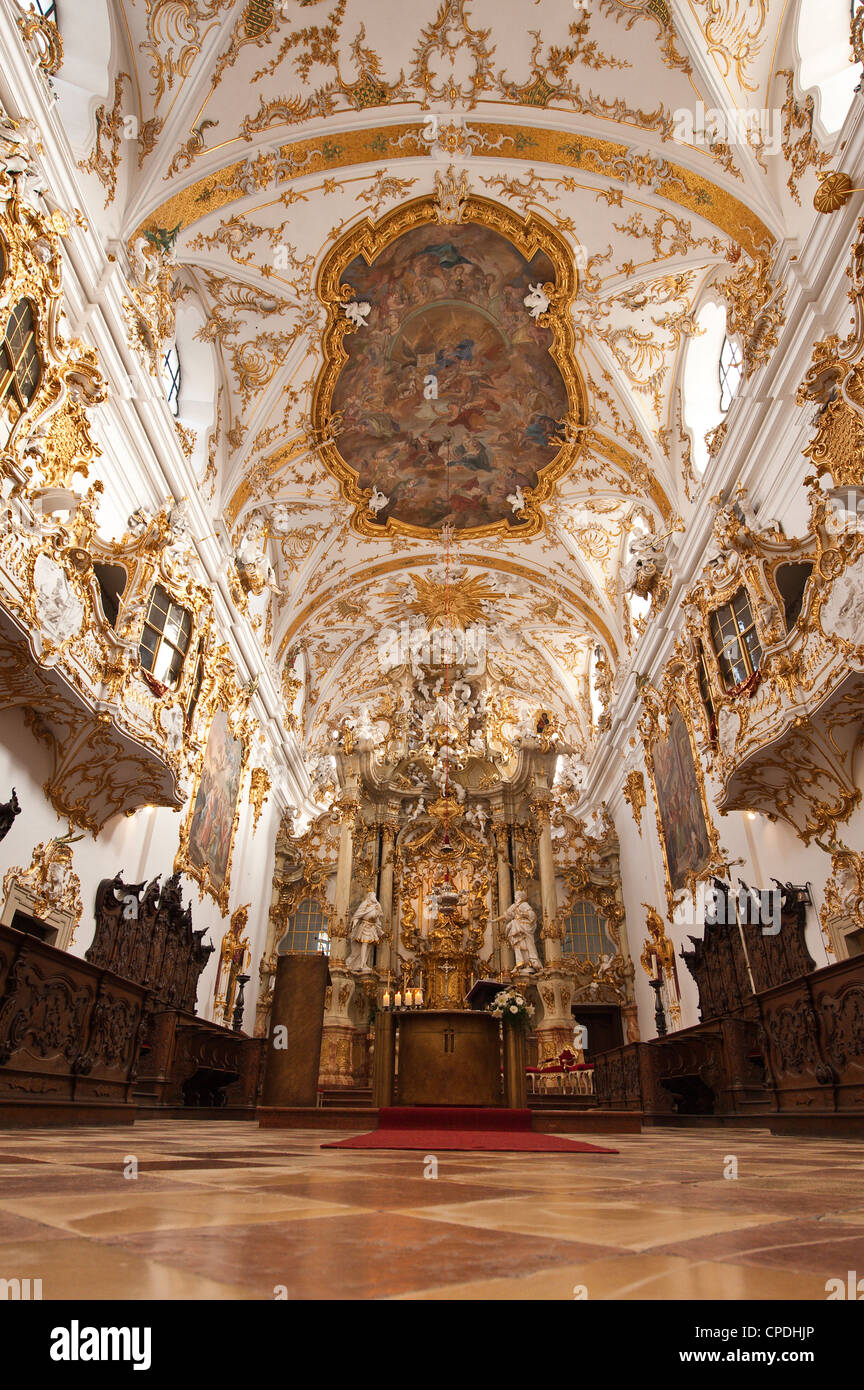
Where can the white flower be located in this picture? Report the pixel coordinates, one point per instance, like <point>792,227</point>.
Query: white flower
<point>519,999</point>
<point>513,1009</point>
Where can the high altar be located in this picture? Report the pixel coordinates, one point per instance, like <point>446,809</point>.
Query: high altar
<point>451,854</point>
<point>446,1054</point>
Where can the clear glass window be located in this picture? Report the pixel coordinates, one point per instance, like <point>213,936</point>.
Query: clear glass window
<point>47,8</point>
<point>733,633</point>
<point>165,637</point>
<point>731,368</point>
<point>585,933</point>
<point>20,368</point>
<point>307,930</point>
<point>171,379</point>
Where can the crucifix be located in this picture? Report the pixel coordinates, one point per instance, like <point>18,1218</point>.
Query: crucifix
<point>446,971</point>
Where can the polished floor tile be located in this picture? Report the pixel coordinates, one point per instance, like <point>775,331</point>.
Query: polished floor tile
<point>220,1211</point>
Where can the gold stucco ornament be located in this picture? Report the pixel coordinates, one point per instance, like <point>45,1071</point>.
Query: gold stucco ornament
<point>833,192</point>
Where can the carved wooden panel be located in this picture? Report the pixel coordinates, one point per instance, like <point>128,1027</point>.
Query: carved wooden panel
<point>145,934</point>
<point>68,1031</point>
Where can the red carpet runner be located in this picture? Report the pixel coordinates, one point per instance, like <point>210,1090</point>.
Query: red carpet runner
<point>444,1127</point>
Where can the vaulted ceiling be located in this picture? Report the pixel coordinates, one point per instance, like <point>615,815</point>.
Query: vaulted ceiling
<point>270,132</point>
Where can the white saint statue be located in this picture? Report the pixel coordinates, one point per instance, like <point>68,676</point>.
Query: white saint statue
<point>367,929</point>
<point>521,924</point>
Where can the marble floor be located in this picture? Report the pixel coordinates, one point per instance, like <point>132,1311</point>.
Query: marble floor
<point>225,1211</point>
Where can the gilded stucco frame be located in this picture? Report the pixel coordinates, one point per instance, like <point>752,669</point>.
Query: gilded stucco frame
<point>528,235</point>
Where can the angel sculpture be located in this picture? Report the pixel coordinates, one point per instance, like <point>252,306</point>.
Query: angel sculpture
<point>648,560</point>
<point>377,502</point>
<point>138,521</point>
<point>252,562</point>
<point>535,301</point>
<point>516,500</point>
<point>357,312</point>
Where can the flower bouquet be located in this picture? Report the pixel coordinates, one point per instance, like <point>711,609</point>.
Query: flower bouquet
<point>512,1007</point>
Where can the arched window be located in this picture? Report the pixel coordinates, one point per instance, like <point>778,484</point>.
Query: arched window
<point>47,8</point>
<point>585,932</point>
<point>165,637</point>
<point>825,66</point>
<point>701,411</point>
<point>171,379</point>
<point>733,633</point>
<point>307,930</point>
<point>730,368</point>
<point>20,368</point>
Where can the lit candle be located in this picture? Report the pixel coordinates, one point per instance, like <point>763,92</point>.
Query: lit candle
<point>418,997</point>
<point>386,1000</point>
<point>397,1002</point>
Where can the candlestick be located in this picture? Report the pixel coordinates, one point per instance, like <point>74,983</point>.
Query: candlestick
<point>659,1011</point>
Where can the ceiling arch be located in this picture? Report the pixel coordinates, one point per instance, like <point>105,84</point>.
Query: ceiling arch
<point>276,139</point>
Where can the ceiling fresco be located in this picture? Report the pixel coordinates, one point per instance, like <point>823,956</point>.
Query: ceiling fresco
<point>450,400</point>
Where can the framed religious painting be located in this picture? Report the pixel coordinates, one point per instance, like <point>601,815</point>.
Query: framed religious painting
<point>207,837</point>
<point>688,840</point>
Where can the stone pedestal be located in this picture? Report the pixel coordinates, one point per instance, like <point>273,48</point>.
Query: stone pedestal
<point>291,1072</point>
<point>555,1028</point>
<point>338,1060</point>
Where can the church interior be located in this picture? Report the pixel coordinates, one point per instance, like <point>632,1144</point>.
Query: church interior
<point>431,815</point>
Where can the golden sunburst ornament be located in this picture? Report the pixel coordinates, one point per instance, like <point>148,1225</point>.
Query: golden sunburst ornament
<point>463,608</point>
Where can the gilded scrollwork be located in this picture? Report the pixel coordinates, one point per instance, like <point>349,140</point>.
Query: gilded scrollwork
<point>104,158</point>
<point>259,788</point>
<point>755,310</point>
<point>633,792</point>
<point>44,40</point>
<point>50,879</point>
<point>799,143</point>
